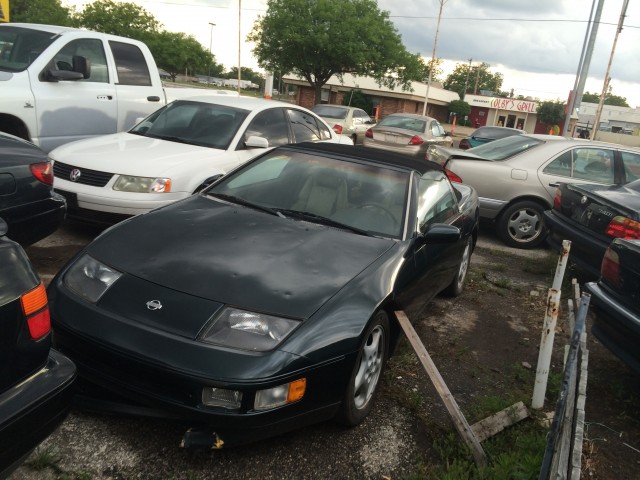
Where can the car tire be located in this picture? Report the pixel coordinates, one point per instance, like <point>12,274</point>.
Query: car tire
<point>456,286</point>
<point>354,138</point>
<point>366,377</point>
<point>521,225</point>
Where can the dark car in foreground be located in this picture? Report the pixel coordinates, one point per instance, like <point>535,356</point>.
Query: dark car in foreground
<point>265,302</point>
<point>516,177</point>
<point>591,216</point>
<point>487,134</point>
<point>28,204</point>
<point>616,298</point>
<point>35,381</point>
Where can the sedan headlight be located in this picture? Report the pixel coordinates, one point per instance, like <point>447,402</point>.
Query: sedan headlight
<point>247,330</point>
<point>127,183</point>
<point>90,278</point>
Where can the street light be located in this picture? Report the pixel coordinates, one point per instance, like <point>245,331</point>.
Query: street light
<point>210,52</point>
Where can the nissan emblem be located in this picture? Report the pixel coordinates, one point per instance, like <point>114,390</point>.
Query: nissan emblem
<point>584,199</point>
<point>154,305</point>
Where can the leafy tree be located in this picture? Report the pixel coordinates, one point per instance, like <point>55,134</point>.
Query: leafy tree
<point>424,67</point>
<point>49,12</point>
<point>609,99</point>
<point>460,108</point>
<point>246,74</point>
<point>476,78</point>
<point>177,52</point>
<point>317,39</point>
<point>551,113</point>
<point>125,19</point>
<point>355,98</point>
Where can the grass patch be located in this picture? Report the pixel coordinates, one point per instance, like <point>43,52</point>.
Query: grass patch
<point>44,458</point>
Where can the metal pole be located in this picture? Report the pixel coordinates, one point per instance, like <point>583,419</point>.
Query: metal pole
<point>433,59</point>
<point>210,52</point>
<point>583,64</point>
<point>607,78</point>
<point>239,43</point>
<point>466,82</point>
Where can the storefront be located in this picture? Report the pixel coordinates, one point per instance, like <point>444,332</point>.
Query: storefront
<point>504,112</point>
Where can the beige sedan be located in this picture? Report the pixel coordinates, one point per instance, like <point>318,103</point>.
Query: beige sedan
<point>407,133</point>
<point>516,177</point>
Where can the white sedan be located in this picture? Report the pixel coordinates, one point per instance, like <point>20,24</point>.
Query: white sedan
<point>176,151</point>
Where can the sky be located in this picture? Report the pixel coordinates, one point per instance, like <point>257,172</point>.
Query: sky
<point>536,46</point>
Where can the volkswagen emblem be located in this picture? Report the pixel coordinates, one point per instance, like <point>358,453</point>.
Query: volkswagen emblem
<point>584,199</point>
<point>154,305</point>
<point>75,174</point>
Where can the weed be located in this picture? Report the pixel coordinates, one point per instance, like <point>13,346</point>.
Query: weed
<point>44,458</point>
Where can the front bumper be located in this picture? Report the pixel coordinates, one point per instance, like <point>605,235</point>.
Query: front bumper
<point>617,327</point>
<point>32,410</point>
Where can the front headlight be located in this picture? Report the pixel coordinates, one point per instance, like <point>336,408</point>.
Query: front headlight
<point>89,278</point>
<point>247,330</point>
<point>127,183</point>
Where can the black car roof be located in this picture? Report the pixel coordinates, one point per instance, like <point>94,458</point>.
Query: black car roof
<point>368,154</point>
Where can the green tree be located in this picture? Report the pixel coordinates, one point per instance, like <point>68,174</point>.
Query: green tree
<point>124,19</point>
<point>551,113</point>
<point>609,99</point>
<point>476,78</point>
<point>460,108</point>
<point>355,98</point>
<point>49,12</point>
<point>178,52</point>
<point>424,68</point>
<point>247,74</point>
<point>317,39</point>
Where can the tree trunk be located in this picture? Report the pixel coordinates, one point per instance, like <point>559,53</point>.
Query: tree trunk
<point>318,93</point>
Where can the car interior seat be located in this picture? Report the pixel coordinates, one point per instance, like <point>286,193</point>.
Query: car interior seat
<point>323,193</point>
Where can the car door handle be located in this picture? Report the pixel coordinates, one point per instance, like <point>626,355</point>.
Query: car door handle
<point>554,185</point>
<point>153,98</point>
<point>105,97</point>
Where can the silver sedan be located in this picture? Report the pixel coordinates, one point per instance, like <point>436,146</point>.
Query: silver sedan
<point>407,133</point>
<point>516,177</point>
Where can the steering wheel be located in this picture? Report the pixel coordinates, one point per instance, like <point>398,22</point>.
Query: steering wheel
<point>379,209</point>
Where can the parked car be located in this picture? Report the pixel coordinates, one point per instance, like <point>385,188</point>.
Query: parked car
<point>487,134</point>
<point>407,133</point>
<point>265,302</point>
<point>175,152</point>
<point>35,381</point>
<point>591,216</point>
<point>516,177</point>
<point>28,204</point>
<point>344,120</point>
<point>616,301</point>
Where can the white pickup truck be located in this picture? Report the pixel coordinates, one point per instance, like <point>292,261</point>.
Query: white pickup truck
<point>60,84</point>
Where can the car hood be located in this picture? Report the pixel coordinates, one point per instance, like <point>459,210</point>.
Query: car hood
<point>239,256</point>
<point>127,154</point>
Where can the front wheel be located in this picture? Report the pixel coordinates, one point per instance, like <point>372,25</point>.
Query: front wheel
<point>365,378</point>
<point>457,284</point>
<point>522,225</point>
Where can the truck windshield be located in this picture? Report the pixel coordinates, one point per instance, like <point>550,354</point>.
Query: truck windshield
<point>19,47</point>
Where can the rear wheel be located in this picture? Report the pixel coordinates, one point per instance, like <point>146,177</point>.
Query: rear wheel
<point>457,284</point>
<point>365,378</point>
<point>522,225</point>
<point>354,137</point>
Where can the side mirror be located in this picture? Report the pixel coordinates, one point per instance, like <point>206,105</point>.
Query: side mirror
<point>62,75</point>
<point>440,233</point>
<point>82,65</point>
<point>256,142</point>
<point>4,228</point>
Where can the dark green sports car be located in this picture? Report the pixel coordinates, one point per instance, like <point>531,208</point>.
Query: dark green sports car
<point>264,302</point>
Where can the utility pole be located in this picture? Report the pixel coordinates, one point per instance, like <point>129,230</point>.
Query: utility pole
<point>583,65</point>
<point>433,58</point>
<point>239,43</point>
<point>210,51</point>
<point>607,77</point>
<point>466,82</point>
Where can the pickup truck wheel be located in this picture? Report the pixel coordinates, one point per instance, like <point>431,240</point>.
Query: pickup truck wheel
<point>522,225</point>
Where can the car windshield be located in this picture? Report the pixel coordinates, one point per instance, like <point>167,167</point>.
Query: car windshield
<point>362,197</point>
<point>196,123</point>
<point>328,111</point>
<point>406,123</point>
<point>19,47</point>
<point>505,147</point>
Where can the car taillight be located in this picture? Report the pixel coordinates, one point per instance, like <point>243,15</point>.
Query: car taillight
<point>36,309</point>
<point>452,176</point>
<point>416,140</point>
<point>622,227</point>
<point>369,133</point>
<point>557,199</point>
<point>464,144</point>
<point>610,268</point>
<point>43,172</point>
<point>337,129</point>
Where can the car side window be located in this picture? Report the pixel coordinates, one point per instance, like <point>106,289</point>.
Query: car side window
<point>131,65</point>
<point>270,124</point>
<point>631,162</point>
<point>90,48</point>
<point>437,130</point>
<point>437,202</point>
<point>592,164</point>
<point>304,126</point>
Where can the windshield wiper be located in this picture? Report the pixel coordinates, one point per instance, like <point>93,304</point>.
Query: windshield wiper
<point>324,221</point>
<point>169,138</point>
<point>245,203</point>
